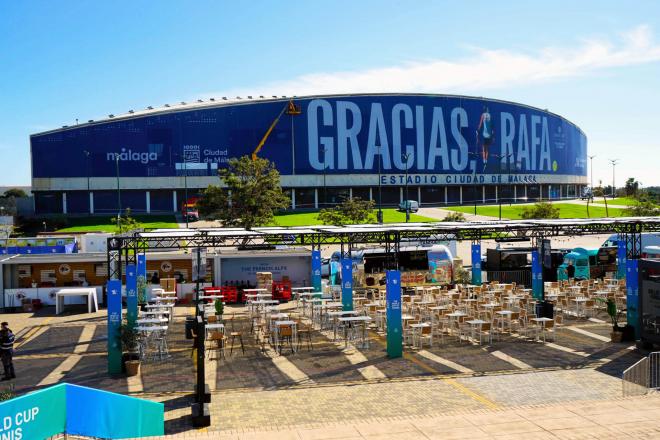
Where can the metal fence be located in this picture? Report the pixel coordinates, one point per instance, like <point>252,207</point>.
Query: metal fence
<point>643,376</point>
<point>520,277</point>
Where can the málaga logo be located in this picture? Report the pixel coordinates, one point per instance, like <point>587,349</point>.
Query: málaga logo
<point>132,156</point>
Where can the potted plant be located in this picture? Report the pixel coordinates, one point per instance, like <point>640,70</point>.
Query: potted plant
<point>617,332</point>
<point>131,357</point>
<point>219,308</point>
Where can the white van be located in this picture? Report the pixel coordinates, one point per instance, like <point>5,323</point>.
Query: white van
<point>412,205</point>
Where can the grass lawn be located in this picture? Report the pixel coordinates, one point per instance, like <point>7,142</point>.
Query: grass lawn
<point>103,224</point>
<point>566,210</point>
<point>623,201</point>
<point>390,215</point>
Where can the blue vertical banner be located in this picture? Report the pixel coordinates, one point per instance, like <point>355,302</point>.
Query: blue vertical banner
<point>632,295</point>
<point>621,269</point>
<point>347,283</point>
<point>476,264</point>
<point>393,312</point>
<point>114,322</point>
<point>316,270</point>
<point>537,275</point>
<point>131,294</point>
<point>141,279</point>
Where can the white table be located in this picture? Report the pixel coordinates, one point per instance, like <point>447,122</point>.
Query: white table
<point>541,322</point>
<point>417,328</point>
<point>151,321</point>
<point>294,333</point>
<point>506,315</point>
<point>158,313</point>
<point>351,319</point>
<point>151,328</point>
<point>89,292</point>
<point>577,302</point>
<point>474,323</point>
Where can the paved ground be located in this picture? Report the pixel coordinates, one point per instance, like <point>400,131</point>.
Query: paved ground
<point>329,382</point>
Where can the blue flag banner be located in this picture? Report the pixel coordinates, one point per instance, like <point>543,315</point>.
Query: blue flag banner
<point>82,411</point>
<point>131,294</point>
<point>632,295</point>
<point>537,275</point>
<point>114,322</point>
<point>476,264</point>
<point>621,259</point>
<point>393,312</point>
<point>316,270</point>
<point>347,283</point>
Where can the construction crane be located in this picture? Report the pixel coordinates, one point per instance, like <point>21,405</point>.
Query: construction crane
<point>290,109</point>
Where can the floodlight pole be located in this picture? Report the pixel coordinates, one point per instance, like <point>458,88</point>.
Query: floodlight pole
<point>325,188</point>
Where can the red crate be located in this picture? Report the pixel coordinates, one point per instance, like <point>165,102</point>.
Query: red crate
<point>230,294</point>
<point>282,290</point>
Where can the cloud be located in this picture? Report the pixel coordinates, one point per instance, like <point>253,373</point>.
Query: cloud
<point>483,69</point>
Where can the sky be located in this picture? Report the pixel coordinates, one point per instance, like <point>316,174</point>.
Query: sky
<point>597,63</point>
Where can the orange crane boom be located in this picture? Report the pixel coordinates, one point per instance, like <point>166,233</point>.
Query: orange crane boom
<point>291,109</point>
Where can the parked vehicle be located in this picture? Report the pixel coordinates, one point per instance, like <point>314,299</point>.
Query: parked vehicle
<point>589,263</point>
<point>411,205</point>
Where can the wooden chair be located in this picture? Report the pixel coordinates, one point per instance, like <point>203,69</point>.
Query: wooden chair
<point>304,332</point>
<point>218,342</point>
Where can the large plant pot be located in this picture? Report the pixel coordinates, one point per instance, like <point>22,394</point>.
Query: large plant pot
<point>125,357</point>
<point>132,368</point>
<point>616,336</point>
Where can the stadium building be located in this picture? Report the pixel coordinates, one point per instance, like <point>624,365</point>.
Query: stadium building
<point>437,149</point>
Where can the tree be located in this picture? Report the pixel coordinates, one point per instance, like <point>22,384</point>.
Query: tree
<point>632,186</point>
<point>15,192</point>
<point>644,207</point>
<point>251,196</point>
<point>600,192</point>
<point>540,210</point>
<point>454,217</point>
<point>350,212</point>
<point>126,223</point>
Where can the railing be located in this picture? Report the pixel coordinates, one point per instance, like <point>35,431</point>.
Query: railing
<point>642,376</point>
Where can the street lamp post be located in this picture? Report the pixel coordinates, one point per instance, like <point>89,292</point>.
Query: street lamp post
<point>499,196</point>
<point>380,189</point>
<point>87,172</point>
<point>591,169</point>
<point>185,184</point>
<point>405,157</point>
<point>325,188</point>
<point>474,183</point>
<point>118,190</point>
<point>614,162</point>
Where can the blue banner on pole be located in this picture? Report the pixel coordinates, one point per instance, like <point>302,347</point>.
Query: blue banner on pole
<point>347,283</point>
<point>114,322</point>
<point>131,294</point>
<point>141,279</point>
<point>316,270</point>
<point>632,295</point>
<point>537,275</point>
<point>621,259</point>
<point>476,264</point>
<point>393,312</point>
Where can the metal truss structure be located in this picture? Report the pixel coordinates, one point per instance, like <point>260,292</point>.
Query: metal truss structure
<point>126,247</point>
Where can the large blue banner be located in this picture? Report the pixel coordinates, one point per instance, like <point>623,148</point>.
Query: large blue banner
<point>347,283</point>
<point>632,295</point>
<point>476,264</point>
<point>37,415</point>
<point>537,275</point>
<point>316,270</point>
<point>621,259</point>
<point>393,312</point>
<point>114,323</point>
<point>101,414</point>
<point>141,278</point>
<point>441,137</point>
<point>131,294</point>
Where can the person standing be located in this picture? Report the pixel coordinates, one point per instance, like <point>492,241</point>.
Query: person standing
<point>7,351</point>
<point>570,270</point>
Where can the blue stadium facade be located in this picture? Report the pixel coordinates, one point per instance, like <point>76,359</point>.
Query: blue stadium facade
<point>448,149</point>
